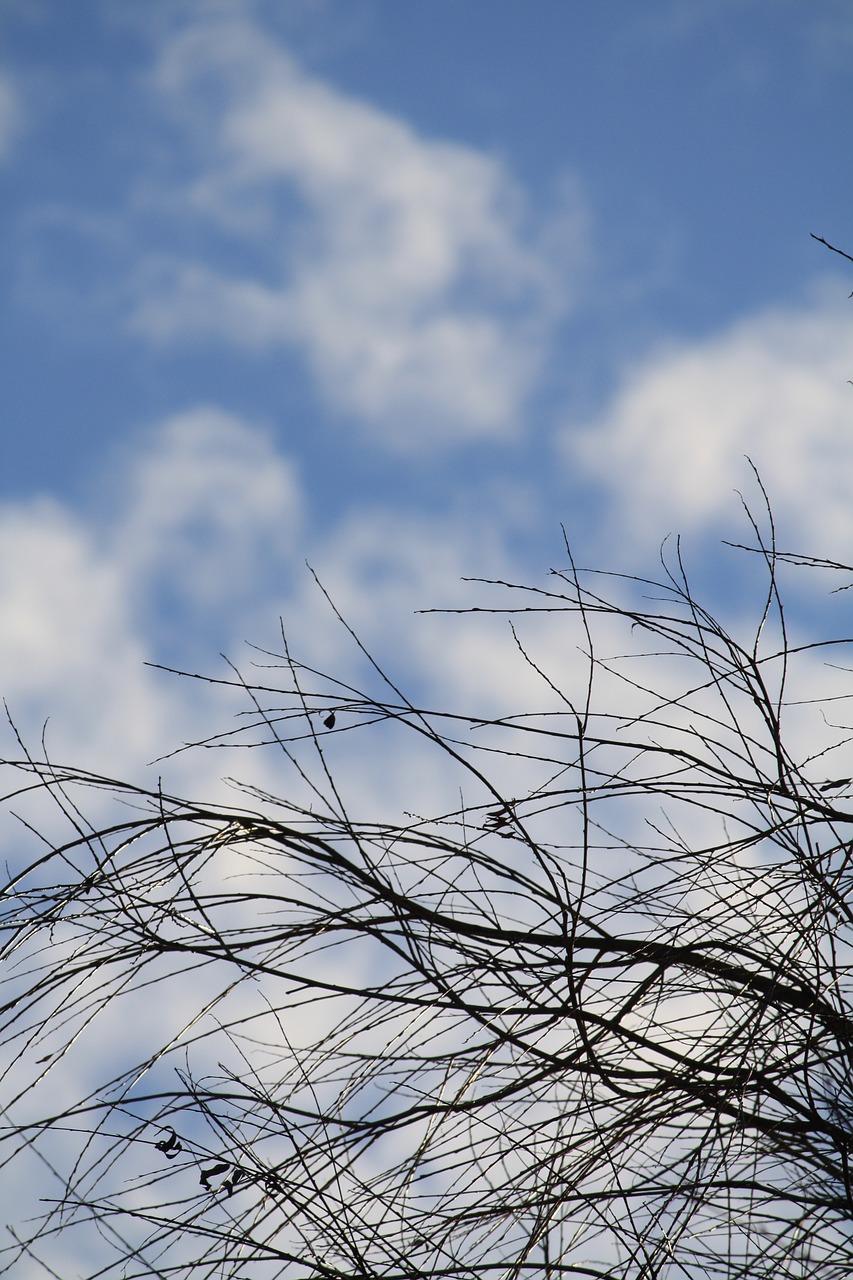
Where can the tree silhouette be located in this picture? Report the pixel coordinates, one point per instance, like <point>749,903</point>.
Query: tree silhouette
<point>592,1020</point>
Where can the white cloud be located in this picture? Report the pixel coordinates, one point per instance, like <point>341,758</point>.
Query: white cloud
<point>406,270</point>
<point>202,523</point>
<point>669,451</point>
<point>207,504</point>
<point>68,649</point>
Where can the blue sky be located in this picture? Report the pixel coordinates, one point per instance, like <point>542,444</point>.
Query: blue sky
<point>398,289</point>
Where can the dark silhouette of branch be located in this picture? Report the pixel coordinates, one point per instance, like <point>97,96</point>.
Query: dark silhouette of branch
<point>821,240</point>
<point>590,1018</point>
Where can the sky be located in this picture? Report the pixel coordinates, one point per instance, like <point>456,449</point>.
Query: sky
<point>398,290</point>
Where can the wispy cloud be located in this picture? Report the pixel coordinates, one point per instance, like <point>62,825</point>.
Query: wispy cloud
<point>70,652</point>
<point>191,530</point>
<point>208,504</point>
<point>669,450</point>
<point>410,272</point>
